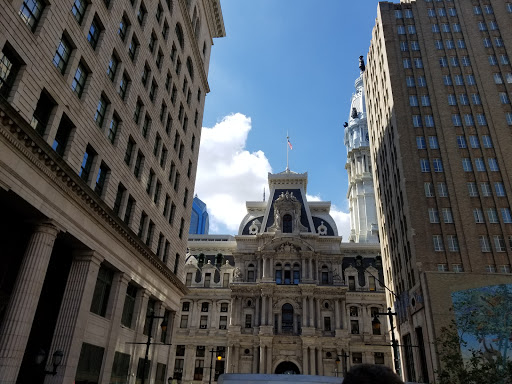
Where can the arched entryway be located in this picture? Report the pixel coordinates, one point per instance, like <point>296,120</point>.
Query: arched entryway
<point>287,368</point>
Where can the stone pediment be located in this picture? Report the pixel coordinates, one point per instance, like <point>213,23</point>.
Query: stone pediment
<point>287,245</point>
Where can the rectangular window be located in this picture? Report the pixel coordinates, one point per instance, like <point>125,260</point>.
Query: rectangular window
<point>433,215</point>
<point>420,142</point>
<point>461,142</point>
<point>500,189</point>
<point>492,215</point>
<point>475,99</point>
<point>129,210</point>
<point>425,102</point>
<point>129,305</point>
<point>486,189</point>
<point>102,291</point>
<point>132,48</point>
<point>94,33</point>
<point>438,165</point>
<point>429,190</point>
<point>413,100</point>
<point>61,58</point>
<point>112,128</point>
<point>89,364</point>
<point>424,165</point>
<point>435,28</point>
<point>79,80</point>
<point>478,215</point>
<point>438,243</point>
<point>87,160</point>
<point>453,243</point>
<point>142,224</point>
<point>493,164</point>
<point>442,190</point>
<point>505,215</point>
<point>30,12</point>
<point>203,322</point>
<point>479,164</point>
<point>78,10</point>
<point>466,164</point>
<point>443,63</point>
<point>429,121</point>
<point>447,215</point>
<point>100,179</point>
<point>447,80</point>
<point>416,121</point>
<point>120,367</point>
<point>123,27</point>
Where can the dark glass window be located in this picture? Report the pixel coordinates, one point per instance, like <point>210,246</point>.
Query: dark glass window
<point>100,179</point>
<point>287,224</point>
<point>61,58</point>
<point>31,11</point>
<point>120,368</point>
<point>129,305</point>
<point>62,135</point>
<point>87,160</point>
<point>78,10</point>
<point>9,67</point>
<point>102,291</point>
<point>287,318</point>
<point>42,113</point>
<point>79,80</point>
<point>89,364</point>
<point>94,33</point>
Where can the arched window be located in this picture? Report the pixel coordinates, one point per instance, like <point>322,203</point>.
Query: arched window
<point>179,35</point>
<point>296,273</point>
<point>287,223</point>
<point>279,274</point>
<point>287,274</point>
<point>250,273</point>
<point>190,68</point>
<point>287,318</point>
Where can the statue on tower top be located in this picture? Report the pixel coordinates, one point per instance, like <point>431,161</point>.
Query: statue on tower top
<point>361,64</point>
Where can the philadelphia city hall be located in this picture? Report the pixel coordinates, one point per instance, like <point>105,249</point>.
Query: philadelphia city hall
<point>286,295</point>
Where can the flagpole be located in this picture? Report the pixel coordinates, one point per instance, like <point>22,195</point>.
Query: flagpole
<point>287,149</point>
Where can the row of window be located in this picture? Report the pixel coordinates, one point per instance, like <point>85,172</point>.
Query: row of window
<point>480,164</point>
<point>485,243</point>
<point>441,12</point>
<point>469,120</point>
<point>492,215</point>
<point>91,361</point>
<point>485,187</point>
<point>488,268</point>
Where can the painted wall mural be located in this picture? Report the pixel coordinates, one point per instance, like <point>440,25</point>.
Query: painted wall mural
<point>484,320</point>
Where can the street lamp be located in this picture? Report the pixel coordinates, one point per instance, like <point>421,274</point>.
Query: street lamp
<point>219,358</point>
<point>344,365</point>
<point>163,326</point>
<point>394,343</point>
<point>56,360</point>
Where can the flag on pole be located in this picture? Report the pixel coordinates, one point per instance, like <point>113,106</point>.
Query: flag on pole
<point>289,144</point>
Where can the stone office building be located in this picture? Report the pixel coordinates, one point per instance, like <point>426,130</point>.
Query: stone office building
<point>284,295</point>
<point>101,105</point>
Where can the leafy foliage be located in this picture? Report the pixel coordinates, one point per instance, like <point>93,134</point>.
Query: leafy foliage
<point>476,369</point>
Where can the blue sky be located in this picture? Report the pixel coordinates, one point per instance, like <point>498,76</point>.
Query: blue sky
<point>283,66</point>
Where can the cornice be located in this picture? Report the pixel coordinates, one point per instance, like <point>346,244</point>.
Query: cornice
<point>24,140</point>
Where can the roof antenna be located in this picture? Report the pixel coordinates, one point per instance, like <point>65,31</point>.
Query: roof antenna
<point>263,193</point>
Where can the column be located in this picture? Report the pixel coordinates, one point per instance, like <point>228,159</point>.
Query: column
<point>311,312</point>
<point>230,359</point>
<point>303,269</point>
<point>319,322</point>
<point>119,286</point>
<point>305,319</point>
<point>236,353</point>
<point>270,315</point>
<point>305,362</point>
<point>213,315</point>
<point>312,361</point>
<point>269,359</point>
<point>22,306</point>
<point>262,358</point>
<point>264,261</point>
<point>320,362</point>
<point>310,272</point>
<point>233,311</point>
<point>263,310</point>
<point>257,320</point>
<point>336,314</point>
<point>271,267</point>
<point>255,359</point>
<point>295,324</point>
<point>344,314</point>
<point>279,324</point>
<point>72,319</point>
<point>141,308</point>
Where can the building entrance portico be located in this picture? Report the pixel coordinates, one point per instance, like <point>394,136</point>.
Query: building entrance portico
<point>287,368</point>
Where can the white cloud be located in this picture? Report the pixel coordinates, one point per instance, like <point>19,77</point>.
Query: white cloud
<point>227,174</point>
<point>341,218</point>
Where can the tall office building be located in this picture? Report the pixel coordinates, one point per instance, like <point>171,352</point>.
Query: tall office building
<point>100,120</point>
<point>283,296</point>
<point>199,219</point>
<point>360,194</point>
<point>438,85</point>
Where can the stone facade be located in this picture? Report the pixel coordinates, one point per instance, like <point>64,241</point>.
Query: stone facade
<point>285,294</point>
<point>360,194</point>
<point>437,86</point>
<point>97,171</point>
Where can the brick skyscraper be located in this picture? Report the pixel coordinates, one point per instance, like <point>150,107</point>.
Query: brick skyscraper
<point>438,83</point>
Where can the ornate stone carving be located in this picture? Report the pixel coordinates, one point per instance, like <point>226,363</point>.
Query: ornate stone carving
<point>286,203</point>
<point>322,229</point>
